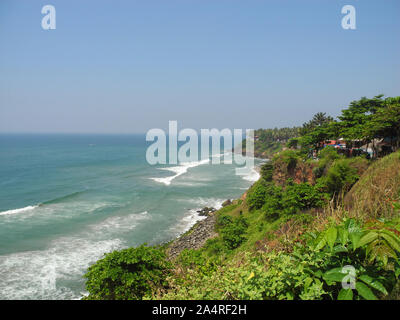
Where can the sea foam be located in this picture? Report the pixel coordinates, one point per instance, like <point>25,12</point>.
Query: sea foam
<point>179,170</point>
<point>252,176</point>
<point>191,217</point>
<point>20,210</point>
<point>45,274</point>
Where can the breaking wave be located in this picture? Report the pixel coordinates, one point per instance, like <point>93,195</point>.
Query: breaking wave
<point>179,170</point>
<point>20,210</point>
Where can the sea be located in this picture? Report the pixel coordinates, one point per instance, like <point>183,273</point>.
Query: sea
<point>67,199</point>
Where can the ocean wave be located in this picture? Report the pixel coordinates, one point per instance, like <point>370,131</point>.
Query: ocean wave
<point>179,170</point>
<point>207,202</point>
<point>252,176</point>
<point>188,220</point>
<point>32,207</point>
<point>223,154</point>
<point>63,198</point>
<point>20,210</point>
<point>191,184</point>
<point>45,274</point>
<point>48,273</point>
<point>191,216</point>
<point>120,224</point>
<point>40,214</point>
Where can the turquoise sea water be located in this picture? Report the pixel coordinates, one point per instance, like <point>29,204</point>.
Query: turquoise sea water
<point>65,200</point>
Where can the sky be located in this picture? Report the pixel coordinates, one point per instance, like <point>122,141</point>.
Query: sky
<point>129,66</point>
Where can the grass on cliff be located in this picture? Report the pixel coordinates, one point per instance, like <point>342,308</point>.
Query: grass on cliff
<point>378,190</point>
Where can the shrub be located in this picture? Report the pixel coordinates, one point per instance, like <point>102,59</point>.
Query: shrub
<point>233,234</point>
<point>341,176</point>
<point>326,157</point>
<point>127,274</point>
<point>329,153</point>
<point>273,202</point>
<point>256,195</point>
<point>267,171</point>
<point>289,158</point>
<point>292,143</point>
<point>318,171</point>
<point>312,270</point>
<point>293,199</point>
<point>197,260</point>
<point>370,252</point>
<point>297,197</point>
<point>190,258</point>
<point>223,220</point>
<point>215,246</point>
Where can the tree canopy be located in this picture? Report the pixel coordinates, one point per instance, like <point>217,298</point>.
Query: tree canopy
<point>364,120</point>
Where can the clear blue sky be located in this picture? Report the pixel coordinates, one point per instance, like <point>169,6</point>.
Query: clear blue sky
<point>128,66</point>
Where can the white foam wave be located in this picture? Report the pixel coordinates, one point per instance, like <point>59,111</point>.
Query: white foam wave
<point>207,202</point>
<point>191,217</point>
<point>48,273</point>
<point>252,176</point>
<point>191,184</point>
<point>179,170</point>
<point>44,274</point>
<point>20,210</point>
<point>223,154</point>
<point>188,220</point>
<point>119,224</point>
<point>54,211</point>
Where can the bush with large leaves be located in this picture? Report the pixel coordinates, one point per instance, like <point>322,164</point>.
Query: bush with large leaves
<point>370,253</point>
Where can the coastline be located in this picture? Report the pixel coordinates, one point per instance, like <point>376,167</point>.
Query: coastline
<point>194,238</point>
<point>201,231</point>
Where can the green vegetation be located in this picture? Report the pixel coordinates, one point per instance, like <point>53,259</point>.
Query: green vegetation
<point>270,141</point>
<point>377,193</point>
<point>127,274</point>
<point>340,176</point>
<point>233,233</point>
<point>363,121</point>
<point>314,269</point>
<point>326,228</point>
<point>257,194</point>
<point>276,201</point>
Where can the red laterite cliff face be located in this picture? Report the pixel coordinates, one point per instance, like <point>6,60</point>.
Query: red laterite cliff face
<point>299,172</point>
<point>304,173</point>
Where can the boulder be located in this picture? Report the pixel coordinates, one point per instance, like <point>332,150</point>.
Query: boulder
<point>227,203</point>
<point>206,211</point>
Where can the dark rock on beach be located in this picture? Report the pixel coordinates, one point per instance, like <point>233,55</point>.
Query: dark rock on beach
<point>195,238</point>
<point>206,211</point>
<point>227,203</point>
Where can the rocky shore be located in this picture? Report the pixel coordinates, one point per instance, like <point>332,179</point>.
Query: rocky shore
<point>203,230</point>
<point>206,211</point>
<point>197,236</point>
